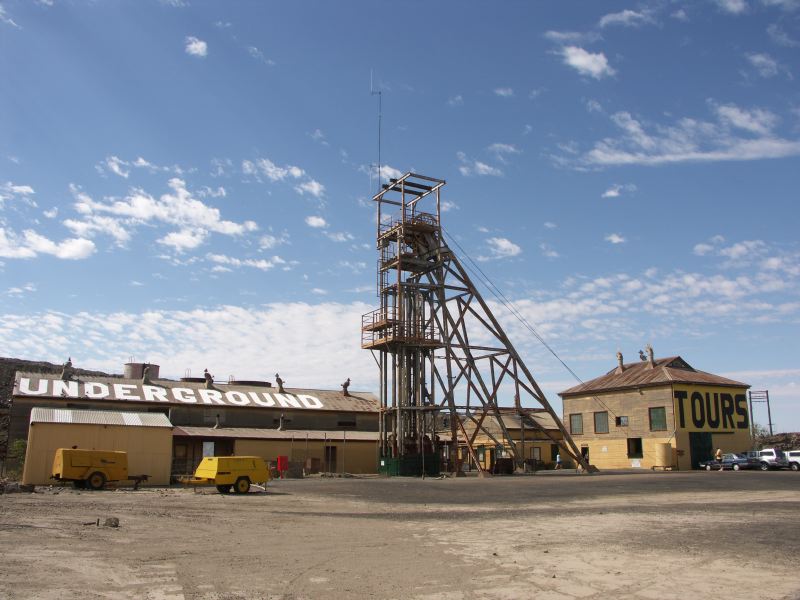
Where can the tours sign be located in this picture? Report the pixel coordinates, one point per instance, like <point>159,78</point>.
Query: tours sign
<point>139,392</point>
<point>711,409</point>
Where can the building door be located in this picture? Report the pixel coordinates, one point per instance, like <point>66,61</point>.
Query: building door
<point>585,453</point>
<point>700,447</point>
<point>330,459</point>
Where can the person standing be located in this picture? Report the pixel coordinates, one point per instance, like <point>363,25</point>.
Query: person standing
<point>718,457</point>
<point>558,461</point>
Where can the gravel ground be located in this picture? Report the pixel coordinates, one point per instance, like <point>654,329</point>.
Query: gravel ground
<point>626,535</point>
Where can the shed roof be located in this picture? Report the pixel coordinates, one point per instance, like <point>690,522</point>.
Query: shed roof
<point>672,369</point>
<point>98,417</point>
<point>117,389</point>
<point>275,434</point>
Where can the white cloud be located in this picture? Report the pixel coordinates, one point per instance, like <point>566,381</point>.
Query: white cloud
<point>455,100</point>
<point>500,247</point>
<point>272,171</point>
<point>312,187</point>
<point>763,63</point>
<point>52,213</point>
<point>207,192</point>
<point>475,167</point>
<point>341,236</point>
<point>587,63</point>
<point>702,249</point>
<point>17,292</point>
<point>626,18</point>
<point>70,249</point>
<point>787,5</point>
<point>12,191</point>
<point>615,238</point>
<point>692,140</point>
<point>259,56</point>
<point>550,225</point>
<point>504,92</point>
<point>7,20</point>
<point>184,239</point>
<point>680,15</point>
<point>388,172</point>
<point>220,338</point>
<point>261,263</point>
<point>195,46</point>
<point>734,7</point>
<point>319,136</point>
<point>122,167</point>
<point>194,219</point>
<point>756,121</point>
<point>94,224</point>
<point>501,150</point>
<point>548,250</point>
<point>571,37</point>
<point>319,291</point>
<point>780,37</point>
<point>316,222</point>
<point>117,166</point>
<point>594,106</point>
<point>616,190</point>
<point>269,241</point>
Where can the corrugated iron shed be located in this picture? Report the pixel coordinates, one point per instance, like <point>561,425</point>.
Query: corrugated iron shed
<point>642,374</point>
<point>98,417</point>
<point>274,434</point>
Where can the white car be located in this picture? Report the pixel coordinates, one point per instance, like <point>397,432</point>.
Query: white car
<point>770,458</point>
<point>793,456</point>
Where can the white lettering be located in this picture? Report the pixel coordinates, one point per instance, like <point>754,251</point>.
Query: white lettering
<point>310,401</point>
<point>184,395</point>
<point>65,388</point>
<point>25,387</point>
<point>92,389</point>
<point>124,391</point>
<point>211,396</point>
<point>237,398</point>
<point>154,394</point>
<point>287,400</point>
<point>267,401</point>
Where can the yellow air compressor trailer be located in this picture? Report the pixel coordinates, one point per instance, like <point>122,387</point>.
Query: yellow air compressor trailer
<point>226,471</point>
<point>89,468</point>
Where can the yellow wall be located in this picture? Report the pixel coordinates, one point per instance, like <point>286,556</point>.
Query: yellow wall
<point>612,453</point>
<point>721,411</point>
<point>351,457</point>
<point>149,448</point>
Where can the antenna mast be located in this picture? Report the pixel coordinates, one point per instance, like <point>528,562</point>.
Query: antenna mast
<point>374,92</point>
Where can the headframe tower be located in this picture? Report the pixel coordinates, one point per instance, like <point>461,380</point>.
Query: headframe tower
<point>440,350</point>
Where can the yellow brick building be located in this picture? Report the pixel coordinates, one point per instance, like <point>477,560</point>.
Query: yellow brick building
<point>657,413</point>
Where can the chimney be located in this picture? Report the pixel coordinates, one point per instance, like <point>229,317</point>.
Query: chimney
<point>651,361</point>
<point>620,363</point>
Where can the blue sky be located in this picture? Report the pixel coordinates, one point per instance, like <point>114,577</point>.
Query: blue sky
<point>189,183</point>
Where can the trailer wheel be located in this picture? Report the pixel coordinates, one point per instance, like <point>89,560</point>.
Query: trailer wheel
<point>242,485</point>
<point>224,489</point>
<point>96,481</point>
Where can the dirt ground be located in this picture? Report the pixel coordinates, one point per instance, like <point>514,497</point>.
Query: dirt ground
<point>646,535</point>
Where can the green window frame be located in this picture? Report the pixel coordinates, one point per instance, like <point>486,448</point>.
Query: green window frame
<point>658,418</point>
<point>576,424</point>
<point>601,422</point>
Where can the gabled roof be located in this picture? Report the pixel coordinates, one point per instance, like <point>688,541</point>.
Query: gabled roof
<point>665,371</point>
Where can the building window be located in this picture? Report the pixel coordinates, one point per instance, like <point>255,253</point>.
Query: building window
<point>576,424</point>
<point>635,448</point>
<point>348,423</point>
<point>601,422</point>
<point>622,421</point>
<point>658,419</point>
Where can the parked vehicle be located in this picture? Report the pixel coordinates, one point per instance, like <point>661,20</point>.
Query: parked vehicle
<point>225,472</point>
<point>770,458</point>
<point>793,456</point>
<point>731,461</point>
<point>89,468</point>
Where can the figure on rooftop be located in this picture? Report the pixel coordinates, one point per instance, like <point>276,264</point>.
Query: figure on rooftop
<point>345,386</point>
<point>280,382</point>
<point>67,371</point>
<point>209,379</point>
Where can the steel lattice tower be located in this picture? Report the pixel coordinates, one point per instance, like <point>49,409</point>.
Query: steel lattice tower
<point>440,348</point>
